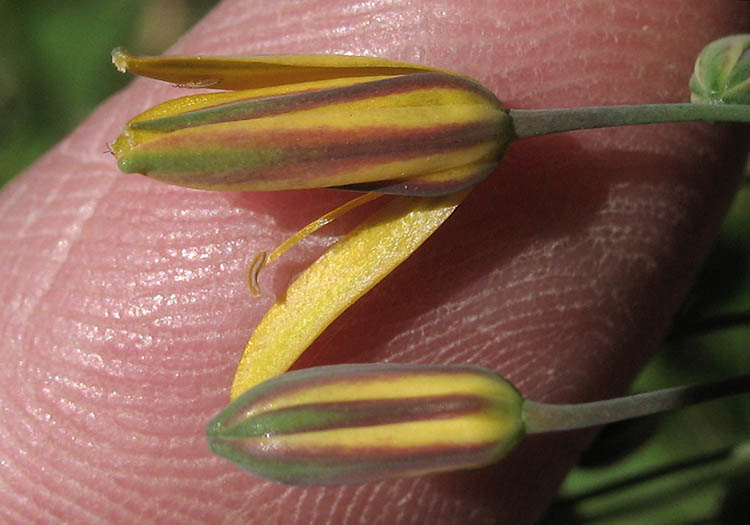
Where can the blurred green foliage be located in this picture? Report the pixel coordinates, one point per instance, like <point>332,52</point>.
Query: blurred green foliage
<point>55,66</point>
<point>691,466</point>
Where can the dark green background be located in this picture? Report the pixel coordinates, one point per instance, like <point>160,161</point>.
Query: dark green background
<point>55,65</point>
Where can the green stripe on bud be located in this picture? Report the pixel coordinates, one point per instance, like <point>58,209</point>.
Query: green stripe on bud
<point>422,133</point>
<point>361,423</point>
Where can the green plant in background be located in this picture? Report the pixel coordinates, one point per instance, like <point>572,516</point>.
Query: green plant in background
<point>46,88</point>
<point>692,466</point>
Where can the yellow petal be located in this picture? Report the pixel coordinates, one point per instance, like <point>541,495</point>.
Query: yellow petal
<point>336,280</point>
<point>257,72</point>
<point>426,134</point>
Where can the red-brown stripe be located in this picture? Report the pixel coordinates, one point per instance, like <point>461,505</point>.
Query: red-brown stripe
<point>310,99</point>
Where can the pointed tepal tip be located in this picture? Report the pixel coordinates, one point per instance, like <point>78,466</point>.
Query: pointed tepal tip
<point>120,58</point>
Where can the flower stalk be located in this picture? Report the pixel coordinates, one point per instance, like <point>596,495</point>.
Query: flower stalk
<point>536,122</point>
<point>544,417</point>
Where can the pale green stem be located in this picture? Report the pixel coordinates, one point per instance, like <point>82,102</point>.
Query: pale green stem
<point>535,122</point>
<point>543,417</point>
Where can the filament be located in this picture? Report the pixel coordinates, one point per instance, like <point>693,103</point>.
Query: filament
<point>262,259</point>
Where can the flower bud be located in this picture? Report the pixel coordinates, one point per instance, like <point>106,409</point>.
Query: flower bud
<point>361,423</point>
<point>411,131</point>
<point>722,72</point>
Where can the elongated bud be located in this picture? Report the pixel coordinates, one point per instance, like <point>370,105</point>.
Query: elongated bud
<point>722,72</point>
<point>419,132</point>
<point>360,423</point>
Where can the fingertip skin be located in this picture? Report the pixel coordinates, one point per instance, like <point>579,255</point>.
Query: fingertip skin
<point>125,299</point>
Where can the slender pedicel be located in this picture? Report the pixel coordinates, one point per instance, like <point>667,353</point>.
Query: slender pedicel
<point>543,417</point>
<point>535,122</point>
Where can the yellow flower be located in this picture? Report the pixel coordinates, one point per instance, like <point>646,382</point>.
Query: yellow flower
<point>313,121</point>
<point>425,136</point>
<point>423,132</point>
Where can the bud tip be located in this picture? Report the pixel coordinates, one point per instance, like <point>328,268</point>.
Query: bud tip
<point>120,58</point>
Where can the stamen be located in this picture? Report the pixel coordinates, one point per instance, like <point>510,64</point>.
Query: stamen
<point>261,260</point>
<point>253,270</point>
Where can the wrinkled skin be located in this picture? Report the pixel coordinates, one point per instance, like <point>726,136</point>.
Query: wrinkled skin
<point>127,312</point>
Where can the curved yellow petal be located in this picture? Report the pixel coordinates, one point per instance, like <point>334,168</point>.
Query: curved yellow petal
<point>336,280</point>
